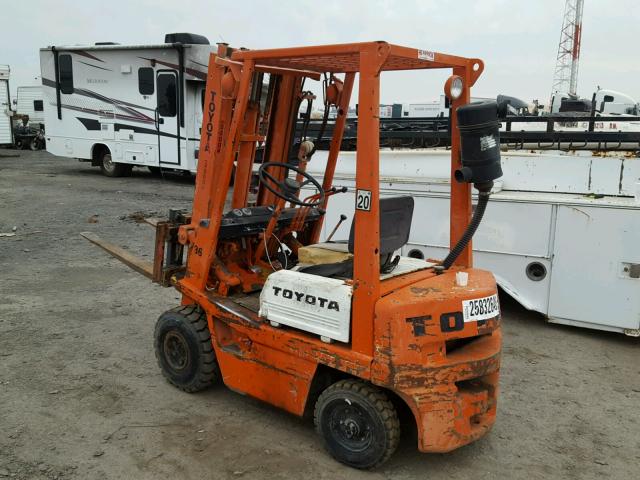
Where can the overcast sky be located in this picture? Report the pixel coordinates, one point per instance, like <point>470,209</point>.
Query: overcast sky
<point>517,39</point>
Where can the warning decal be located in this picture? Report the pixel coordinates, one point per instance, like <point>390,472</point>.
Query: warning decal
<point>426,55</point>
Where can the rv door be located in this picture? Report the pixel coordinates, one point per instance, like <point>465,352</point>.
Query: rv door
<point>167,117</point>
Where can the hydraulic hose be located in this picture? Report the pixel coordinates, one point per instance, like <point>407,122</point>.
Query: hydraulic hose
<point>483,199</point>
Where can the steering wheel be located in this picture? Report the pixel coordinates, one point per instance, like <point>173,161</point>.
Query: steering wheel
<point>289,187</point>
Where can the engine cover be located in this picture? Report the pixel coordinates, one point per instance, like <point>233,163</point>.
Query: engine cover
<point>308,302</point>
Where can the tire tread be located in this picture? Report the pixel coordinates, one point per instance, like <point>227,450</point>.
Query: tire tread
<point>377,398</point>
<point>209,374</point>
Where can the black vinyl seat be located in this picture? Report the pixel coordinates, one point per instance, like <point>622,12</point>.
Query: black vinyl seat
<point>396,214</point>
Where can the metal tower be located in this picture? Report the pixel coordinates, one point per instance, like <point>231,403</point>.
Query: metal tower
<point>565,77</point>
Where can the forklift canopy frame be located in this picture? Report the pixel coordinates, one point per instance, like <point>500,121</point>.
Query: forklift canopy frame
<point>223,140</point>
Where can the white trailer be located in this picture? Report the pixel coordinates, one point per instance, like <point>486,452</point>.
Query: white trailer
<point>607,102</point>
<point>433,108</point>
<point>121,106</point>
<point>6,135</point>
<point>29,101</point>
<point>561,232</point>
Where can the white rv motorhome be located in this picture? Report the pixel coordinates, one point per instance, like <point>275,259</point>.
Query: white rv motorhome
<point>29,102</point>
<point>121,106</point>
<point>6,137</point>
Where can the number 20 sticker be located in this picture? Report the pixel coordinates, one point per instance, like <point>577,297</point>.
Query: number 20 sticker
<point>363,200</point>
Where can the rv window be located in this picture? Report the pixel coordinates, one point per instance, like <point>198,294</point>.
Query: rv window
<point>167,95</point>
<point>145,80</point>
<point>37,106</point>
<point>66,73</point>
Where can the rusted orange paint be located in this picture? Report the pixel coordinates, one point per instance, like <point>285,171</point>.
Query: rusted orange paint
<point>449,379</point>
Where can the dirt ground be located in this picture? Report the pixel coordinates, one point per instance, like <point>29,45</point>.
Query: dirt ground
<point>81,396</point>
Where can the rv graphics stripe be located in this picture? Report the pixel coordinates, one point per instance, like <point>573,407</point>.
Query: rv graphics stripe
<point>106,114</point>
<point>198,63</point>
<point>89,93</point>
<point>93,124</point>
<point>95,66</point>
<point>129,109</point>
<point>190,71</point>
<point>126,106</point>
<point>86,54</point>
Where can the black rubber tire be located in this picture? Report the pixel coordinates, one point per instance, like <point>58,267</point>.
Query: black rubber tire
<point>185,330</point>
<point>155,171</point>
<point>34,144</point>
<point>355,402</point>
<point>113,169</point>
<point>19,144</point>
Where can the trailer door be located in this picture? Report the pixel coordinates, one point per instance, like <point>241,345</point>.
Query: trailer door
<point>167,117</point>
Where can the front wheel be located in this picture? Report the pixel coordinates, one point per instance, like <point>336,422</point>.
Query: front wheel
<point>111,168</point>
<point>184,350</point>
<point>358,423</point>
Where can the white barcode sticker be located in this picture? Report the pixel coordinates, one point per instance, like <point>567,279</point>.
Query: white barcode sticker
<point>481,308</point>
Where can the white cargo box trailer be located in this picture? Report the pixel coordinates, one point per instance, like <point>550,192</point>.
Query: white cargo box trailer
<point>561,232</point>
<point>120,106</point>
<point>6,136</point>
<point>29,102</point>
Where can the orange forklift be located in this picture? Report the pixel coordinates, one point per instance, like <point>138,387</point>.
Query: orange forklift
<point>347,331</point>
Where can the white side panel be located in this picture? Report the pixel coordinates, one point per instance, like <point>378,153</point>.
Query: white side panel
<point>554,172</point>
<point>509,271</point>
<point>512,228</point>
<point>5,114</point>
<point>589,283</point>
<point>26,103</point>
<point>584,244</point>
<point>310,303</point>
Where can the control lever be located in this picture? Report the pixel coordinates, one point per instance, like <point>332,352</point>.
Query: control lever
<point>343,217</point>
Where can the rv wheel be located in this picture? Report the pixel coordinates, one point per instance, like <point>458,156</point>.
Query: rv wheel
<point>358,423</point>
<point>184,350</point>
<point>111,168</point>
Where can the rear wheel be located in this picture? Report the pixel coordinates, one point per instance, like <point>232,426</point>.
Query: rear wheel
<point>111,168</point>
<point>358,423</point>
<point>183,349</point>
<point>34,144</point>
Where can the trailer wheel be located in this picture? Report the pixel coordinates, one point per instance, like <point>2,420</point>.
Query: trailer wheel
<point>111,168</point>
<point>358,423</point>
<point>34,144</point>
<point>19,144</point>
<point>183,349</point>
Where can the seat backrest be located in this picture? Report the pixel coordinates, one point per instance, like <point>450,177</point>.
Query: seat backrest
<point>396,214</point>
